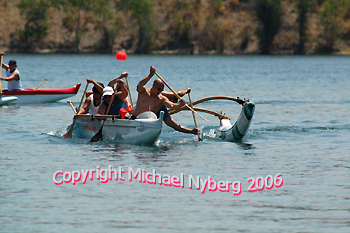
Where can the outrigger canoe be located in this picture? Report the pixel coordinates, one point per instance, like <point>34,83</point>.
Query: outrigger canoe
<point>226,130</point>
<point>146,129</point>
<point>142,131</point>
<point>31,96</point>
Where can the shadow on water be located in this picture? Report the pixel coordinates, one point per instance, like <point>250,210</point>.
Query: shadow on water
<point>245,146</point>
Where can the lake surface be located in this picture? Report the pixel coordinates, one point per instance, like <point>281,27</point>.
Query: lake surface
<point>301,129</point>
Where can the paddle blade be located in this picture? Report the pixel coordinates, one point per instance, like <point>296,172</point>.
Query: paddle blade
<point>98,136</point>
<point>70,131</point>
<point>200,135</point>
<point>68,134</point>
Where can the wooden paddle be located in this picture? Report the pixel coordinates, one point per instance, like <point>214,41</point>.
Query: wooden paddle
<point>177,96</point>
<point>40,85</point>
<point>98,136</point>
<point>127,82</point>
<point>2,56</point>
<point>71,104</point>
<point>194,116</point>
<point>68,134</point>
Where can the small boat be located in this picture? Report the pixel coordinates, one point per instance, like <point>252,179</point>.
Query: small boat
<point>7,99</point>
<point>31,96</point>
<point>226,130</point>
<point>144,130</point>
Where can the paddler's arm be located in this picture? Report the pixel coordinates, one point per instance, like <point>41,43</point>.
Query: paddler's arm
<point>172,106</point>
<point>5,66</point>
<point>124,92</point>
<point>141,85</point>
<point>171,123</point>
<point>14,76</point>
<point>183,92</point>
<point>102,109</point>
<point>86,106</point>
<point>98,86</point>
<point>115,80</point>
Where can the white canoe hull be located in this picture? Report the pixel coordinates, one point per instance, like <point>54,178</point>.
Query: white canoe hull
<point>7,99</point>
<point>139,131</point>
<point>236,132</point>
<point>38,99</point>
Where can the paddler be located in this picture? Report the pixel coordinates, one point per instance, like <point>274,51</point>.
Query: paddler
<point>152,99</point>
<point>93,100</point>
<point>13,76</point>
<point>119,97</point>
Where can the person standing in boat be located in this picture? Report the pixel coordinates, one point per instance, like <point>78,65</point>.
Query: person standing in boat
<point>152,99</point>
<point>93,100</point>
<point>13,76</point>
<point>119,97</point>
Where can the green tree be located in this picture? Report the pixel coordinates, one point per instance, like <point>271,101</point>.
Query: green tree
<point>331,16</point>
<point>141,11</point>
<point>182,19</point>
<point>35,28</point>
<point>79,12</point>
<point>73,16</point>
<point>269,13</point>
<point>303,8</point>
<point>105,24</point>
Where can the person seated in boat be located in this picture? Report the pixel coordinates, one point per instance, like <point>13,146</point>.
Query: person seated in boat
<point>92,101</point>
<point>170,95</point>
<point>153,100</point>
<point>13,76</point>
<point>119,97</point>
<point>127,102</point>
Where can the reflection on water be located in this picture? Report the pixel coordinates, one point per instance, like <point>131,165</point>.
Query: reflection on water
<point>245,146</point>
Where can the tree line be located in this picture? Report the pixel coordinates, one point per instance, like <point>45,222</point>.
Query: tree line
<point>188,26</point>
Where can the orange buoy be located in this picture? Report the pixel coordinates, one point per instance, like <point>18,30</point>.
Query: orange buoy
<point>121,56</point>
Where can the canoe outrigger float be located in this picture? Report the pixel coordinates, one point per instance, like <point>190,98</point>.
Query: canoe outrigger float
<point>226,130</point>
<point>34,96</point>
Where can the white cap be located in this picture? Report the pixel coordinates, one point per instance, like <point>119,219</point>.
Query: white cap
<point>108,91</point>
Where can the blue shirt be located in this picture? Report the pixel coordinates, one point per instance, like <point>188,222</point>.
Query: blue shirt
<point>116,106</point>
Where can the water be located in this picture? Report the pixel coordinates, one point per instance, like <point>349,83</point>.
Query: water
<point>300,129</point>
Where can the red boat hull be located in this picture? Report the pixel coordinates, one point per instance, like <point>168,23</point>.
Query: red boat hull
<point>29,96</point>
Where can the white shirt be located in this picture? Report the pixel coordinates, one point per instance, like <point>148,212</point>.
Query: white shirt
<point>13,85</point>
<point>93,109</point>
